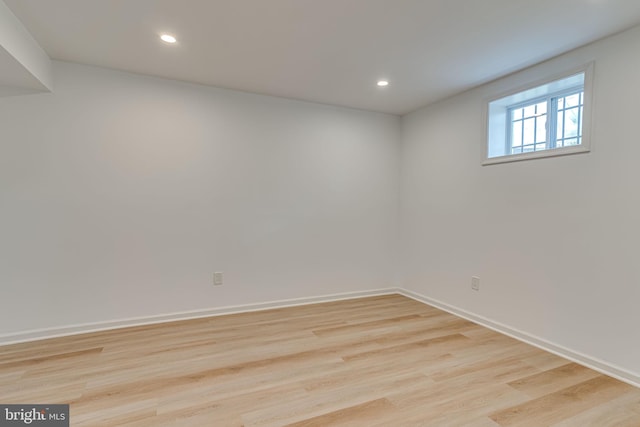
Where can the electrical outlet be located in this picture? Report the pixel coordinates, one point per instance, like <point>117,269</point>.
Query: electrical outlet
<point>218,278</point>
<point>475,283</point>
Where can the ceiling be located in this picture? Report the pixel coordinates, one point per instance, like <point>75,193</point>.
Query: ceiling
<point>328,51</point>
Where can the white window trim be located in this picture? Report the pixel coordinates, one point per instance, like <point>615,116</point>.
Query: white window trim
<point>584,147</point>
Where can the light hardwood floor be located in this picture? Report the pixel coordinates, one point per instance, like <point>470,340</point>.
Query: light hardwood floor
<point>380,361</point>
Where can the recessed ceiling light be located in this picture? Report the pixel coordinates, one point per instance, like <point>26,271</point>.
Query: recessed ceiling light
<point>383,83</point>
<point>167,38</point>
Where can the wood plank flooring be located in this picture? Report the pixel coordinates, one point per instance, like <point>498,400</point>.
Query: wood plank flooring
<point>380,361</point>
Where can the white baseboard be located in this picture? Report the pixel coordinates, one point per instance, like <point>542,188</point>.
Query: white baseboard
<point>39,334</point>
<point>582,359</point>
<point>591,362</point>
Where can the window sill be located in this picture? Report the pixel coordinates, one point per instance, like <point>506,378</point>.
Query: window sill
<point>536,155</point>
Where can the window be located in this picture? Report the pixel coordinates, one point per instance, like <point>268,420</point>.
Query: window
<point>545,120</point>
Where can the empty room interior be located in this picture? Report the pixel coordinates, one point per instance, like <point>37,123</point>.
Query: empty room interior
<point>319,213</point>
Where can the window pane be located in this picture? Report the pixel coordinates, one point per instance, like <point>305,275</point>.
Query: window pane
<point>581,120</point>
<point>542,108</point>
<point>572,141</point>
<point>560,103</point>
<point>529,131</point>
<point>541,147</point>
<point>571,123</point>
<point>516,134</point>
<point>560,125</point>
<point>516,150</point>
<point>517,114</point>
<point>527,149</point>
<point>573,100</point>
<point>541,129</point>
<point>530,111</point>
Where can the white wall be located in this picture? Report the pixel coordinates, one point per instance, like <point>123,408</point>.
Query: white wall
<point>554,241</point>
<point>120,195</point>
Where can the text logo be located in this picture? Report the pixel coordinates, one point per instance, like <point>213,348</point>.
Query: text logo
<point>34,415</point>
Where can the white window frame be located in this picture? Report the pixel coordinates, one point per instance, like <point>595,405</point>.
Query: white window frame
<point>504,122</point>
